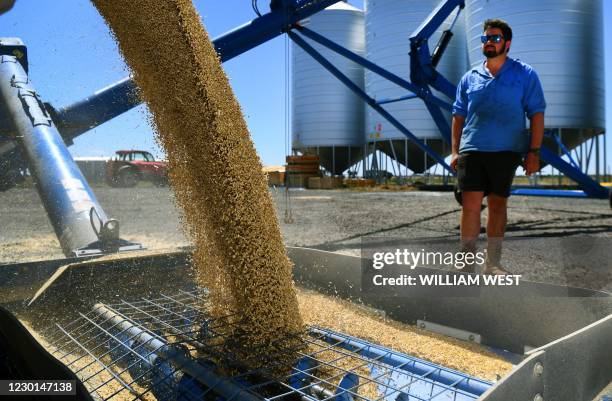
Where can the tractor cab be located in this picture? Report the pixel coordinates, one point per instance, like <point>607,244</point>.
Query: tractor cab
<point>132,166</point>
<point>134,155</point>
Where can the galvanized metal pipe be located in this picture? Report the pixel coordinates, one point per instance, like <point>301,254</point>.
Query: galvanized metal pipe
<point>65,194</point>
<point>223,386</point>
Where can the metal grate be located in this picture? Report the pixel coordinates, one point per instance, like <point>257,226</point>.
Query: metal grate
<point>163,348</point>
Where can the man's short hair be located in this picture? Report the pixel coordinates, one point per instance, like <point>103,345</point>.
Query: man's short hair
<point>501,24</point>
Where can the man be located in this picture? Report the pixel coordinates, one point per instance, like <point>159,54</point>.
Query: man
<point>489,140</point>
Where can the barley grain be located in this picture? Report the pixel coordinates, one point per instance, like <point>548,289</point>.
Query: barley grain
<point>213,166</point>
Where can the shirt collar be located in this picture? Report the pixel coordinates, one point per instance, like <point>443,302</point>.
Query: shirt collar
<point>480,68</point>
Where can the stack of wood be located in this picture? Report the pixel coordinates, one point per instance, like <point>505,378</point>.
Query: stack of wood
<point>325,182</point>
<point>301,168</point>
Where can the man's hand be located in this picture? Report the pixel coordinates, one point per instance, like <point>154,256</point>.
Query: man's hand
<point>532,163</point>
<point>453,161</point>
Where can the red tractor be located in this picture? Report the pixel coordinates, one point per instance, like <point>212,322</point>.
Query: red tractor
<point>133,166</point>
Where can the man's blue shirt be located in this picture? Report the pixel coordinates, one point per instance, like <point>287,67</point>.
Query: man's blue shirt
<point>494,107</point>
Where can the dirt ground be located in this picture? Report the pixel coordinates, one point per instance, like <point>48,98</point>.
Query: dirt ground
<point>562,241</point>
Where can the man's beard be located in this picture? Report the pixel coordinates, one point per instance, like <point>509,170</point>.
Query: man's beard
<point>491,52</point>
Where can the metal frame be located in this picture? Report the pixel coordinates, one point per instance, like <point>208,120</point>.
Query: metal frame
<point>582,358</point>
<point>358,91</point>
<point>170,346</point>
<point>559,310</point>
<point>573,333</point>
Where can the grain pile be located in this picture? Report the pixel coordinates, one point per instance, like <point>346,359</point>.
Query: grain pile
<point>213,166</point>
<point>346,317</point>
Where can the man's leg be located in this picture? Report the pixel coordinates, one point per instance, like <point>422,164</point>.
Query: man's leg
<point>501,167</point>
<point>470,222</point>
<point>496,227</point>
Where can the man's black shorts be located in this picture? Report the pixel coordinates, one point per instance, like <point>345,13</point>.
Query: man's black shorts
<point>488,172</point>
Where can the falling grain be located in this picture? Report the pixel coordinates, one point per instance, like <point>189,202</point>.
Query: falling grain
<point>213,166</point>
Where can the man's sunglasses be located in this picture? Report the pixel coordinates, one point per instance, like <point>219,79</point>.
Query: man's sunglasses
<point>492,38</point>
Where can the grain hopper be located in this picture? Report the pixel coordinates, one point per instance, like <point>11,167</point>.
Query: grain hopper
<point>150,335</point>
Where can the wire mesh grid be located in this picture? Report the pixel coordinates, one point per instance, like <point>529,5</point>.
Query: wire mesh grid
<point>169,348</point>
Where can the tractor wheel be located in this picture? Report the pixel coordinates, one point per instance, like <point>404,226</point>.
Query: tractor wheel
<point>127,178</point>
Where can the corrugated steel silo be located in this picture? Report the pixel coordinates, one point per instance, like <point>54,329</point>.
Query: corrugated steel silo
<point>389,24</point>
<point>327,118</point>
<point>563,41</point>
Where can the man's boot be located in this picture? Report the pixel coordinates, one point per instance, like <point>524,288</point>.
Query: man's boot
<point>493,261</point>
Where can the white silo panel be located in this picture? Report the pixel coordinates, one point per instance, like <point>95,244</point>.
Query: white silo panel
<point>389,24</point>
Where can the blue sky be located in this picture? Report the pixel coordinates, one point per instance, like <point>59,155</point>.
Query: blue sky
<point>72,55</point>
